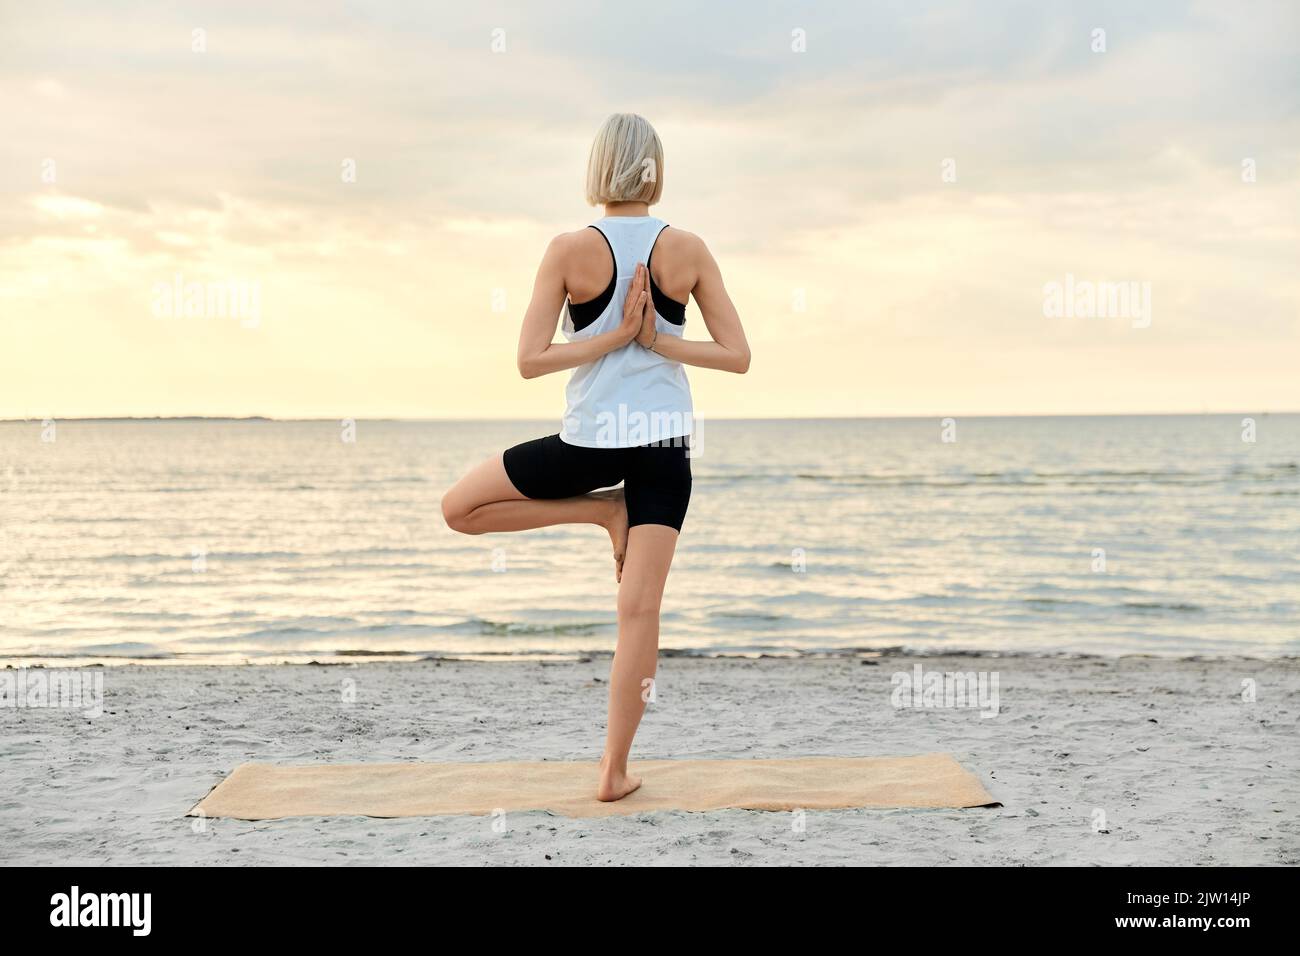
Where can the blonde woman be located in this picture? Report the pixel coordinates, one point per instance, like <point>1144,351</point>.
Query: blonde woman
<point>623,283</point>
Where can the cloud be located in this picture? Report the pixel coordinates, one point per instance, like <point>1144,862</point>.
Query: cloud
<point>818,170</point>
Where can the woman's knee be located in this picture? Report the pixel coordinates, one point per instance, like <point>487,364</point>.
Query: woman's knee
<point>485,483</point>
<point>456,513</point>
<point>638,605</point>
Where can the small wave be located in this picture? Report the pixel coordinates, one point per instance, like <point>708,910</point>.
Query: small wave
<point>154,556</point>
<point>362,652</point>
<point>304,627</point>
<point>1102,477</point>
<point>478,625</point>
<point>83,520</point>
<point>119,649</point>
<point>1287,466</point>
<point>1162,606</point>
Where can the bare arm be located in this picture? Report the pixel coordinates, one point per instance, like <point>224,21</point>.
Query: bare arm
<point>538,355</point>
<point>728,350</point>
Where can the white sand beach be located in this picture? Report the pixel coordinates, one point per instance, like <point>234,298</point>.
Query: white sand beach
<point>1165,757</point>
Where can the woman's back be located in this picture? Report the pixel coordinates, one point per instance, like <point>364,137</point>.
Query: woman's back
<point>674,265</point>
<point>630,395</point>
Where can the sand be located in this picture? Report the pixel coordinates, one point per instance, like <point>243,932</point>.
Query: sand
<point>1097,761</point>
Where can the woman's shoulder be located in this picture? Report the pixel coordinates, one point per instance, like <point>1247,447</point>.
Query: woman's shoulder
<point>680,244</point>
<point>576,247</point>
<point>577,239</point>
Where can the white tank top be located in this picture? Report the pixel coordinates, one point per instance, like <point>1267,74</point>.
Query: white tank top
<point>629,396</point>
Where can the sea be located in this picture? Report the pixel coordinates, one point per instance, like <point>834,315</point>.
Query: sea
<point>252,541</point>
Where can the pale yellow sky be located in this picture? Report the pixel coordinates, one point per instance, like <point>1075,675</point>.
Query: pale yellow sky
<point>137,151</point>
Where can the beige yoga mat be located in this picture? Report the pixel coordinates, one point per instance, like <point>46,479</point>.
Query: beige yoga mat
<point>263,791</point>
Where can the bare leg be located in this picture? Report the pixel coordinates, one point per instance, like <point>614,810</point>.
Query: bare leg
<point>650,550</point>
<point>486,500</point>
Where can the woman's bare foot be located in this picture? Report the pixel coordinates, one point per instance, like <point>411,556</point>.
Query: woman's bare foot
<point>616,525</point>
<point>614,785</point>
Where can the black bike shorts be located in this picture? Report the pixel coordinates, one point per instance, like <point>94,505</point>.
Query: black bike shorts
<point>656,478</point>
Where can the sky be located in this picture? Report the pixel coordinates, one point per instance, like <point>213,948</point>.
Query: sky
<point>900,196</point>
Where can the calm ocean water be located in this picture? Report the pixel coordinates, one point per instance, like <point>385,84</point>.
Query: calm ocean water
<point>232,541</point>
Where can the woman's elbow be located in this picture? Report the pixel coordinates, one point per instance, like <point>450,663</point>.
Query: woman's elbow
<point>528,367</point>
<point>741,365</point>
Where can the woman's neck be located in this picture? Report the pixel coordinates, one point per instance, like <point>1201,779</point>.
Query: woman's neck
<point>627,209</point>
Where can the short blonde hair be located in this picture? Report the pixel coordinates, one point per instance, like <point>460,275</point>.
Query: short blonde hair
<point>626,162</point>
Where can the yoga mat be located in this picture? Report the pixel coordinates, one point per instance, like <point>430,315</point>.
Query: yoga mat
<point>263,791</point>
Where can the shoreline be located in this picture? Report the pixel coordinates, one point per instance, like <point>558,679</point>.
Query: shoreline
<point>354,658</point>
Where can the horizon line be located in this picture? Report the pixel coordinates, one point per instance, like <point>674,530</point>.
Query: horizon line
<point>759,418</point>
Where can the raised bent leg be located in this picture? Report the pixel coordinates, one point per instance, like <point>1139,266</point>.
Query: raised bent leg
<point>650,550</point>
<point>486,500</point>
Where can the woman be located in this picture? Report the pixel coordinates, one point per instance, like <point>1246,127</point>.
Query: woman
<point>626,279</point>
